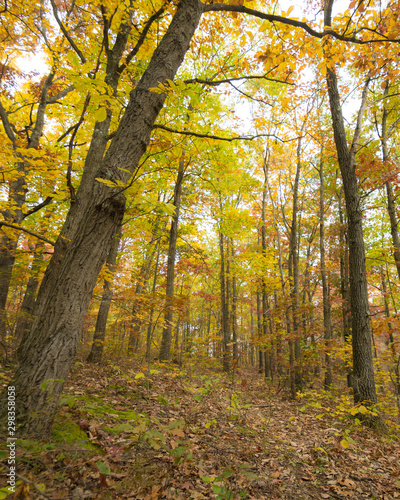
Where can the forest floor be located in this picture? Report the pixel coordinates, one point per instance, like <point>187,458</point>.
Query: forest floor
<point>172,433</point>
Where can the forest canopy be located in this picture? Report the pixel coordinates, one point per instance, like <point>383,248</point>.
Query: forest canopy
<point>187,180</point>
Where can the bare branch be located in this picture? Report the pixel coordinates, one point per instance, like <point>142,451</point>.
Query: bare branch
<point>360,116</point>
<point>19,228</point>
<point>66,34</point>
<point>38,207</point>
<point>229,80</point>
<point>218,138</point>
<point>218,7</point>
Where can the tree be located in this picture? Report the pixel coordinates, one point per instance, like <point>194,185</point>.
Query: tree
<point>363,370</point>
<point>90,227</point>
<point>98,206</point>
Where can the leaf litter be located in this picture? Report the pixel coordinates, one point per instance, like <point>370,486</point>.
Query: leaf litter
<point>188,435</point>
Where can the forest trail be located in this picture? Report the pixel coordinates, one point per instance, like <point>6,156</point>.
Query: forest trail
<point>187,435</point>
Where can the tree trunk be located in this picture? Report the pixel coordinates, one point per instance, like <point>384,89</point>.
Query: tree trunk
<point>325,291</point>
<point>224,307</point>
<point>96,352</point>
<point>267,352</point>
<point>17,196</point>
<point>87,235</point>
<point>391,207</point>
<point>25,317</point>
<point>153,292</point>
<point>165,348</point>
<point>234,312</point>
<point>294,269</point>
<point>259,334</point>
<point>363,371</point>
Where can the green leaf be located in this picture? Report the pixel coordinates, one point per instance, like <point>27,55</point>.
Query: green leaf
<point>103,468</point>
<point>249,475</point>
<point>162,400</point>
<point>208,479</point>
<point>74,60</point>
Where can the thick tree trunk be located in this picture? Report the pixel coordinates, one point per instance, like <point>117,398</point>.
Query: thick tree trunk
<point>96,352</point>
<point>165,348</point>
<point>363,371</point>
<point>344,285</point>
<point>87,236</point>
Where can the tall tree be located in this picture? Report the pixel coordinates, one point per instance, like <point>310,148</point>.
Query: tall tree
<point>165,349</point>
<point>363,370</point>
<point>90,227</point>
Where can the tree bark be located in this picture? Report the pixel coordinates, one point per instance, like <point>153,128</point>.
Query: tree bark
<point>363,371</point>
<point>224,307</point>
<point>87,235</point>
<point>96,352</point>
<point>265,308</point>
<point>325,291</point>
<point>294,270</point>
<point>165,348</point>
<point>25,315</point>
<point>391,206</point>
<point>234,311</point>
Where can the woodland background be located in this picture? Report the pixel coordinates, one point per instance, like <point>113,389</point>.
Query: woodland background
<point>259,231</point>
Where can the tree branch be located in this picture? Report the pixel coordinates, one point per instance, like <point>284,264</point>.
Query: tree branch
<point>218,7</point>
<point>38,207</point>
<point>39,124</point>
<point>66,34</point>
<point>360,116</point>
<point>6,124</point>
<point>218,138</point>
<point>142,37</point>
<point>229,80</point>
<point>60,95</point>
<point>19,228</point>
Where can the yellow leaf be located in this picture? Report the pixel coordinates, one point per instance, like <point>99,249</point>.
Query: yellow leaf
<point>106,182</point>
<point>344,443</point>
<point>100,115</point>
<point>139,375</point>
